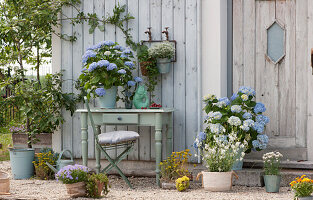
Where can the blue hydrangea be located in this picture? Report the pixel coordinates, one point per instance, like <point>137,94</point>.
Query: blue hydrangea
<point>261,142</point>
<point>195,145</point>
<point>202,136</point>
<point>255,144</point>
<point>100,92</point>
<point>111,66</point>
<point>247,90</point>
<point>216,128</point>
<point>138,79</point>
<point>94,47</point>
<point>107,43</point>
<point>103,63</point>
<point>118,47</point>
<point>123,55</point>
<point>259,108</point>
<point>217,115</point>
<point>263,139</point>
<point>131,83</point>
<point>127,51</point>
<point>245,128</point>
<point>223,138</point>
<point>235,95</point>
<point>234,121</point>
<point>236,109</point>
<point>262,119</point>
<point>247,115</point>
<point>248,122</point>
<point>129,64</point>
<point>88,54</point>
<point>121,71</point>
<point>92,66</point>
<point>258,127</point>
<point>223,102</point>
<point>84,69</point>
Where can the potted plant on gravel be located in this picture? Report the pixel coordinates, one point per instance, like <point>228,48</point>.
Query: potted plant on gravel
<point>240,114</point>
<point>303,188</point>
<point>75,178</point>
<point>174,167</point>
<point>107,65</point>
<point>97,184</point>
<point>163,52</point>
<point>272,176</point>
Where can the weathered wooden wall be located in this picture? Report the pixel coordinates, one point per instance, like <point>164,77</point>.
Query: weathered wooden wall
<point>281,87</point>
<point>177,89</point>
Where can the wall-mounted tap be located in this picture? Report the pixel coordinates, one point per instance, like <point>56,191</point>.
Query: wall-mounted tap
<point>149,33</point>
<point>166,33</point>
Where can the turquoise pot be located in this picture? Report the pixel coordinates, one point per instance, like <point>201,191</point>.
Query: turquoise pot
<point>272,183</point>
<point>164,65</point>
<point>239,163</point>
<point>109,99</point>
<point>22,163</point>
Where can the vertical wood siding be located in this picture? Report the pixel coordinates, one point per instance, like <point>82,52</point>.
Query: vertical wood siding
<point>177,89</point>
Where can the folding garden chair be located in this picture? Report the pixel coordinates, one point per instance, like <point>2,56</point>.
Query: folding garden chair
<point>112,140</point>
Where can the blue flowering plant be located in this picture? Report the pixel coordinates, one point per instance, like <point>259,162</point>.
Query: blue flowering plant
<point>72,174</point>
<point>106,65</point>
<point>241,114</point>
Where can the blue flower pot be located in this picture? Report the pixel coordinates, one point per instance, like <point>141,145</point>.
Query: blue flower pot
<point>164,65</point>
<point>272,183</point>
<point>22,163</point>
<point>109,99</point>
<point>238,164</point>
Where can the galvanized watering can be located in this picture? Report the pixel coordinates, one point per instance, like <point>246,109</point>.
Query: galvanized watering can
<point>62,163</point>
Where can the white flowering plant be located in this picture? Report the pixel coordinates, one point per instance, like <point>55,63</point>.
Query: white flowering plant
<point>271,162</point>
<point>162,50</point>
<point>107,64</point>
<point>221,156</point>
<point>241,115</point>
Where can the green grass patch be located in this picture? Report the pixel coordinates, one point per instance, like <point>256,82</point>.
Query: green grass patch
<point>6,141</point>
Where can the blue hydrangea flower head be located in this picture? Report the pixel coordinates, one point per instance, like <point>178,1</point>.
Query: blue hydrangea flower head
<point>108,43</point>
<point>255,144</point>
<point>202,136</point>
<point>247,115</point>
<point>121,71</point>
<point>258,127</point>
<point>195,145</point>
<point>236,109</point>
<point>94,47</point>
<point>129,64</point>
<point>131,83</point>
<point>103,63</point>
<point>263,138</point>
<point>259,108</point>
<point>118,47</point>
<point>123,55</point>
<point>127,51</point>
<point>235,95</point>
<point>88,54</point>
<point>111,66</point>
<point>138,79</point>
<point>84,69</point>
<point>100,92</point>
<point>262,119</point>
<point>247,90</point>
<point>92,66</point>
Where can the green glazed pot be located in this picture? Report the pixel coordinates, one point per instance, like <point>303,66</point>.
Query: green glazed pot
<point>272,183</point>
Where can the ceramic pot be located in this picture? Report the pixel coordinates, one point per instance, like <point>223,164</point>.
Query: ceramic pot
<point>76,189</point>
<point>217,181</point>
<point>99,188</point>
<point>272,183</point>
<point>109,99</point>
<point>305,198</point>
<point>22,163</point>
<point>164,65</point>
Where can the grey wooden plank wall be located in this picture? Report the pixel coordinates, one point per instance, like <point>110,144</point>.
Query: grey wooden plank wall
<point>177,89</point>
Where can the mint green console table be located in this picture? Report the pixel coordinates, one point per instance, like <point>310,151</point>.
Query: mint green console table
<point>140,117</point>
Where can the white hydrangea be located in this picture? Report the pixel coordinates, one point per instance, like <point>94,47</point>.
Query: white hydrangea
<point>234,121</point>
<point>236,109</point>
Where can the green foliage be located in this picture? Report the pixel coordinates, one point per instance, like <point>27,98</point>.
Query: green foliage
<point>72,174</point>
<point>302,187</point>
<point>91,185</point>
<point>272,163</point>
<point>40,105</point>
<point>5,140</point>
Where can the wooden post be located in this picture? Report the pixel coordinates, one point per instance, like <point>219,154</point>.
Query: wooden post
<point>158,145</point>
<point>98,151</point>
<point>84,137</point>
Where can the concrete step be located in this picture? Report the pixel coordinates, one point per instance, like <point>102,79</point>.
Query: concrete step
<point>249,163</point>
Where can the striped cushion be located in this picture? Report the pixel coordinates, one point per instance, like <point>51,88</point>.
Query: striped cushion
<point>117,137</point>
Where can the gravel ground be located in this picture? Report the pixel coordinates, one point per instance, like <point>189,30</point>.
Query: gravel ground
<point>144,189</point>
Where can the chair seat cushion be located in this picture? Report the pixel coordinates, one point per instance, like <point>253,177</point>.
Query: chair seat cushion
<point>117,137</point>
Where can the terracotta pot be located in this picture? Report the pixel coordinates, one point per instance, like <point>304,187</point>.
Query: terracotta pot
<point>143,68</point>
<point>4,183</point>
<point>99,188</point>
<point>217,181</point>
<point>20,141</point>
<point>76,189</point>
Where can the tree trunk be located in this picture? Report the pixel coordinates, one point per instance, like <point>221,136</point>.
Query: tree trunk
<point>38,64</point>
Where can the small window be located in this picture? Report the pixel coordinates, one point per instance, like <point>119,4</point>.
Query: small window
<point>275,42</point>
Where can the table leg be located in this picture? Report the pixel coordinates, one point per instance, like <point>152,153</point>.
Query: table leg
<point>84,137</point>
<point>97,150</point>
<point>169,135</point>
<point>158,145</point>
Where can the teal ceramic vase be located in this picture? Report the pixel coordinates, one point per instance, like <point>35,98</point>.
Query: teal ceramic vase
<point>22,163</point>
<point>272,183</point>
<point>238,163</point>
<point>109,99</point>
<point>164,65</point>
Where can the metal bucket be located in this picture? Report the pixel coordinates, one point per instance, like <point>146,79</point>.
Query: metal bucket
<point>22,163</point>
<point>164,65</point>
<point>109,99</point>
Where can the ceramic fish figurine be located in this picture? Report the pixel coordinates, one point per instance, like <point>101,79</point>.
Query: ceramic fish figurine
<point>141,99</point>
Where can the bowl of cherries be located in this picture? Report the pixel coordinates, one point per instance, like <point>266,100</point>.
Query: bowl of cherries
<point>155,106</point>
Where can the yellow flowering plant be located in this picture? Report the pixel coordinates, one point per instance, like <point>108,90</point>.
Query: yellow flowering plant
<point>182,184</point>
<point>175,166</point>
<point>41,168</point>
<point>303,186</point>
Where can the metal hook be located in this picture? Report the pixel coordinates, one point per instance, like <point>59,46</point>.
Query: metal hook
<point>149,33</point>
<point>166,33</point>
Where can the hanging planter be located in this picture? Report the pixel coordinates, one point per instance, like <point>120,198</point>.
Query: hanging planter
<point>143,67</point>
<point>164,65</point>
